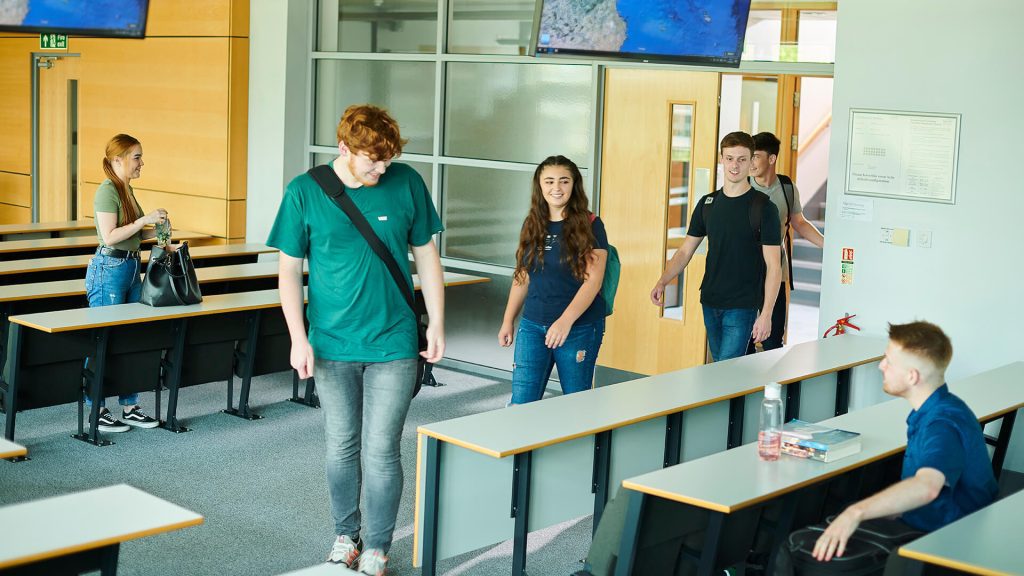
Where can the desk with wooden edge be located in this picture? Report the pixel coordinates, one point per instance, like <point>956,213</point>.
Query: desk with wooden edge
<point>53,229</point>
<point>102,320</point>
<point>46,296</point>
<point>74,267</point>
<point>463,463</point>
<point>985,542</point>
<point>728,482</point>
<point>9,449</point>
<point>67,246</point>
<point>61,534</point>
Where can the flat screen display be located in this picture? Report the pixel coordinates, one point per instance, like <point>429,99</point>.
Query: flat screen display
<point>112,18</point>
<point>705,32</point>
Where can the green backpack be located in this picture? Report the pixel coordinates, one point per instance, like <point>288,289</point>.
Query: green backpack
<point>610,283</point>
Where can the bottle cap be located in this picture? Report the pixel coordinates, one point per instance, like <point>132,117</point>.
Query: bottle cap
<point>773,391</point>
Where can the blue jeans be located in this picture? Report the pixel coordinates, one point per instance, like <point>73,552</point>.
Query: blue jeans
<point>364,406</point>
<point>109,281</point>
<point>728,331</point>
<point>534,360</point>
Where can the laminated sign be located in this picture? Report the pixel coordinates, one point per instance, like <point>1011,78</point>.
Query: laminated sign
<point>846,267</point>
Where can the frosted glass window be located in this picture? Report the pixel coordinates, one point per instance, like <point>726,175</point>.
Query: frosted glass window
<point>483,213</point>
<point>817,36</point>
<point>764,33</point>
<point>487,27</point>
<point>517,112</point>
<point>405,89</point>
<point>425,169</point>
<point>408,26</point>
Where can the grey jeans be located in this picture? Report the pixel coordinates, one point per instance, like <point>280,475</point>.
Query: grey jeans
<point>364,406</point>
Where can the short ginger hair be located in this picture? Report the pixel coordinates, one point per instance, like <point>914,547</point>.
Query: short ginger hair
<point>925,340</point>
<point>370,129</point>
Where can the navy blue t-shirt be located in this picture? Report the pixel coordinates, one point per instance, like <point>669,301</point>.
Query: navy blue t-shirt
<point>945,435</point>
<point>553,287</point>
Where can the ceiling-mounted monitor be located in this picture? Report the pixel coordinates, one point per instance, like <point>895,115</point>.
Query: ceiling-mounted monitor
<point>109,18</point>
<point>703,32</point>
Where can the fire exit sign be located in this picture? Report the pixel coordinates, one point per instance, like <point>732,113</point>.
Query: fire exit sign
<point>53,41</point>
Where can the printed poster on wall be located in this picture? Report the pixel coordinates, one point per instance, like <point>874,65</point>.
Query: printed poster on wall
<point>903,155</point>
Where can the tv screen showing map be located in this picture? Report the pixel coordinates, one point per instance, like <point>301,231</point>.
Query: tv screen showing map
<point>111,18</point>
<point>706,32</point>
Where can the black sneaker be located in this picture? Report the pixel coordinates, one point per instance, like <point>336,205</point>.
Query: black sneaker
<point>107,423</point>
<point>135,417</point>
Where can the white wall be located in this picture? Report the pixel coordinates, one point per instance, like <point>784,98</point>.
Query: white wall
<point>936,56</point>
<point>278,44</point>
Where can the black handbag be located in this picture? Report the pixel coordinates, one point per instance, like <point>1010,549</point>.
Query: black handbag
<point>332,186</point>
<point>170,278</point>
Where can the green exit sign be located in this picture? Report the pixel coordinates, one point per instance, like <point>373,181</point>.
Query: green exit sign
<point>53,41</point>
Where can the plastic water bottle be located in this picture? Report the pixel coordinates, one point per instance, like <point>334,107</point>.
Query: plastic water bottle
<point>769,436</point>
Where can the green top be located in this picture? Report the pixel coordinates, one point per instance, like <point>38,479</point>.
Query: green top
<point>106,200</point>
<point>356,312</point>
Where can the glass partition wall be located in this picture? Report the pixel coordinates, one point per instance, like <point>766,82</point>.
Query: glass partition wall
<point>479,114</point>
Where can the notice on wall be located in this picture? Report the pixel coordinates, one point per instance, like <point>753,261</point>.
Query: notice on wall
<point>846,267</point>
<point>857,209</point>
<point>904,155</point>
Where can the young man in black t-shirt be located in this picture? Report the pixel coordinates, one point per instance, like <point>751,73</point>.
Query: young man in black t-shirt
<point>743,272</point>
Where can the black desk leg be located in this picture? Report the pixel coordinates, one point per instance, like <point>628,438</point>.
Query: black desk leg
<point>5,327</point>
<point>108,560</point>
<point>602,468</point>
<point>842,392</point>
<point>11,397</point>
<point>247,360</point>
<point>792,400</point>
<point>914,568</point>
<point>630,532</point>
<point>713,536</point>
<point>431,485</point>
<point>172,374</point>
<point>735,434</point>
<point>95,374</point>
<point>1003,442</point>
<point>782,529</point>
<point>520,510</point>
<point>673,439</point>
<point>428,376</point>
<point>310,398</point>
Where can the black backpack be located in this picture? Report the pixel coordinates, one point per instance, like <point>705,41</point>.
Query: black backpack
<point>866,553</point>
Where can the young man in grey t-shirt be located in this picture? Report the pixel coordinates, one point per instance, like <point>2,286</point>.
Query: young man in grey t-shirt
<point>791,215</point>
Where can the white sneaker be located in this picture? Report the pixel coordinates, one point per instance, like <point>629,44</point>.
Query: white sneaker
<point>344,552</point>
<point>373,561</point>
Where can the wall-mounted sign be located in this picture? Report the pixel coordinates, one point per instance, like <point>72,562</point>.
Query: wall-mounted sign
<point>905,155</point>
<point>53,41</point>
<point>846,267</point>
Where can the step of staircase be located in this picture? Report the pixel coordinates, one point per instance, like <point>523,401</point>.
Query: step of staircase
<point>806,293</point>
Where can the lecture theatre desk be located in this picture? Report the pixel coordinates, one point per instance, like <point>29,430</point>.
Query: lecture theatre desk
<point>110,333</point>
<point>732,481</point>
<point>72,267</point>
<point>9,449</point>
<point>53,229</point>
<point>60,535</point>
<point>19,249</point>
<point>554,460</point>
<point>986,542</point>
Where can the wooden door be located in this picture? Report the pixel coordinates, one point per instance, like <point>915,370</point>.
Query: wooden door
<point>58,173</point>
<point>635,174</point>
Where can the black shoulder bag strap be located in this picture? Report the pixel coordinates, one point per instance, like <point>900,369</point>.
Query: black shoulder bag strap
<point>787,193</point>
<point>332,186</point>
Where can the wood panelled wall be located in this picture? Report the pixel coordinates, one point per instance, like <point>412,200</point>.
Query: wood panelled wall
<point>182,91</point>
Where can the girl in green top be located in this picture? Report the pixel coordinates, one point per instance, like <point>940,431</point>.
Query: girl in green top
<point>113,273</point>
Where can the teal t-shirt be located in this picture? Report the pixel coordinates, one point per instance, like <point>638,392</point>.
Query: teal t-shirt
<point>355,312</point>
<point>106,200</point>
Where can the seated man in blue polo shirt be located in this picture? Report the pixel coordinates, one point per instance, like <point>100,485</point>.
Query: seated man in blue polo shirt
<point>946,469</point>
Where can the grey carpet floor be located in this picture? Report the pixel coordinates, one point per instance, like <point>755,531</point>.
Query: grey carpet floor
<point>259,484</point>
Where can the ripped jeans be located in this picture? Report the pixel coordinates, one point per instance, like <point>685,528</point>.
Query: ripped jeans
<point>534,360</point>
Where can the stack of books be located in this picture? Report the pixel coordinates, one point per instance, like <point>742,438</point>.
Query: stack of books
<point>818,442</point>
